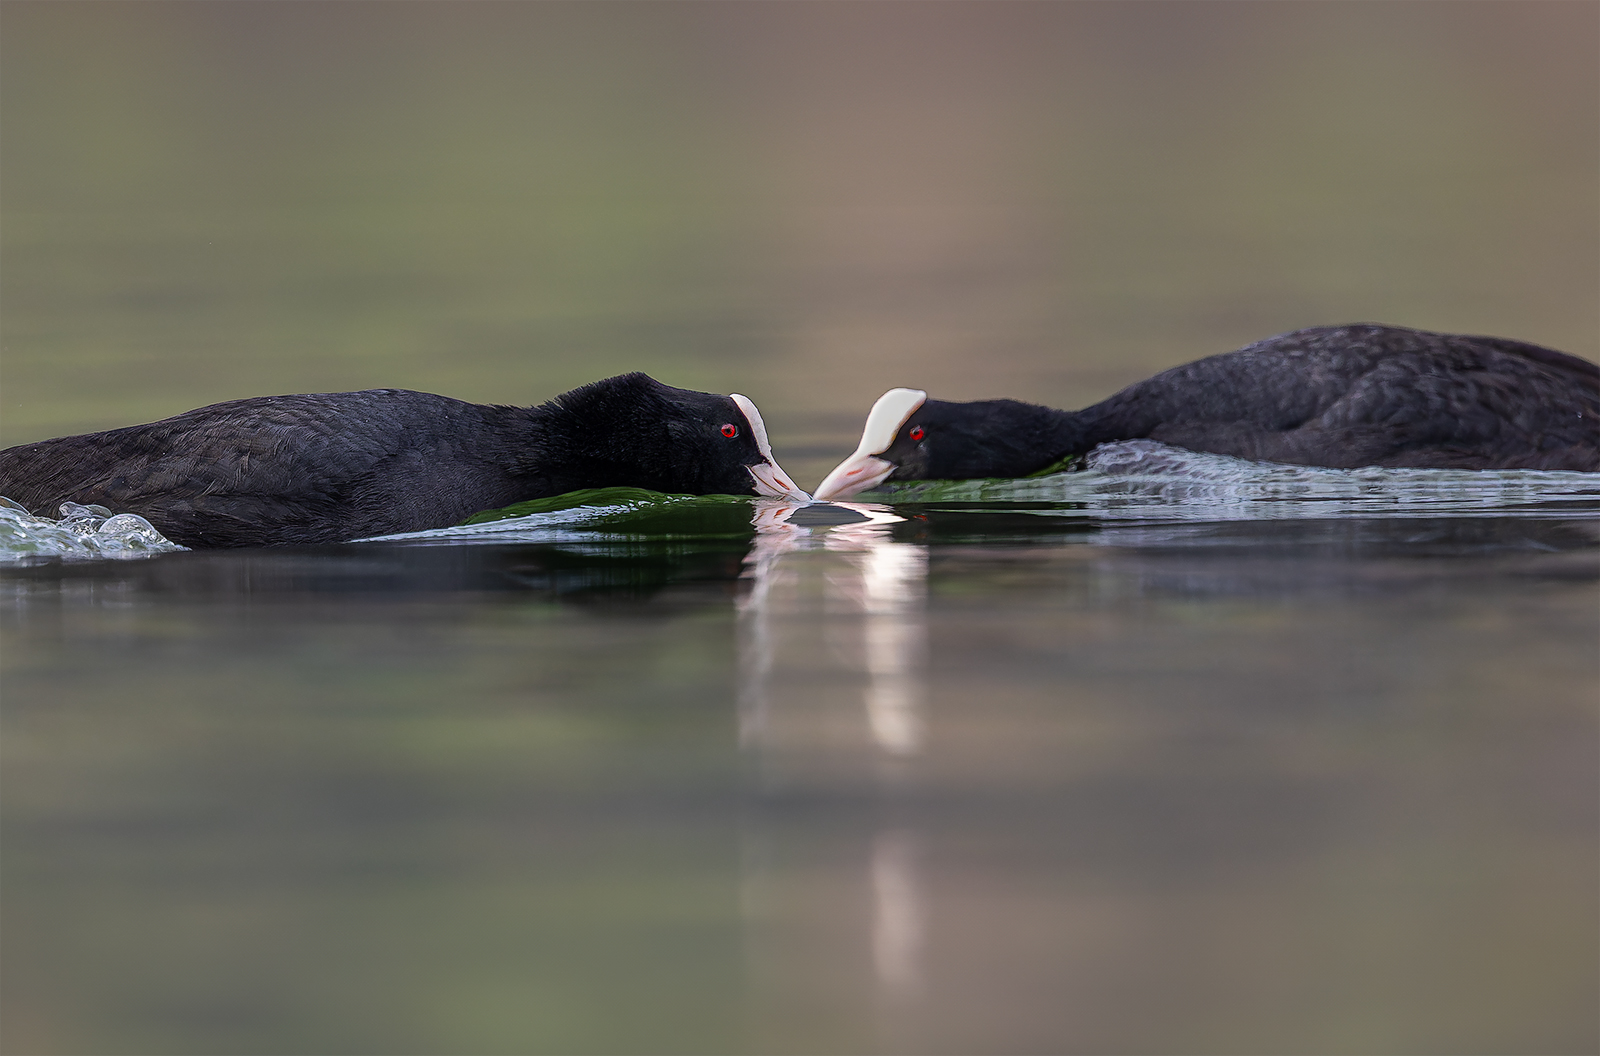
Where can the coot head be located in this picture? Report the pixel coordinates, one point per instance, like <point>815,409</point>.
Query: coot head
<point>672,440</point>
<point>910,437</point>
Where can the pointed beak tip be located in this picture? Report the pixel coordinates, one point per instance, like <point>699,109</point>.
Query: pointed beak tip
<point>774,483</point>
<point>853,475</point>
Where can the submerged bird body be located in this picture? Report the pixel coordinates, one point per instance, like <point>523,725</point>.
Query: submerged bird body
<point>328,467</point>
<point>1339,397</point>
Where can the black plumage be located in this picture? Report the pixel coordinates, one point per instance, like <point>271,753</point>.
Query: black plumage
<point>1341,397</point>
<point>326,467</point>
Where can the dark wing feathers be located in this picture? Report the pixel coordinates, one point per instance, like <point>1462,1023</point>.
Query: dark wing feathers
<point>237,473</point>
<point>1370,395</point>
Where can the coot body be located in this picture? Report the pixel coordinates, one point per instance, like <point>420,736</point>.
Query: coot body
<point>1341,397</point>
<point>327,467</point>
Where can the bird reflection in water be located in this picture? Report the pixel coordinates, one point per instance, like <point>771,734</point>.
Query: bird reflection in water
<point>833,668</point>
<point>874,602</point>
<point>897,914</point>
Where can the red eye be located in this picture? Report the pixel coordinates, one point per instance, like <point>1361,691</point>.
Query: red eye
<point>916,432</point>
<point>730,430</point>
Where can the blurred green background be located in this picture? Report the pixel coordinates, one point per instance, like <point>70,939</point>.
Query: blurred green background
<point>805,202</point>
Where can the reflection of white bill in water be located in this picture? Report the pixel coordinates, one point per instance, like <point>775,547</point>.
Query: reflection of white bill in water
<point>874,612</point>
<point>851,696</point>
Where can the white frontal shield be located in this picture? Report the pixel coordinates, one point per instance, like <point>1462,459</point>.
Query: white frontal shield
<point>861,470</point>
<point>771,481</point>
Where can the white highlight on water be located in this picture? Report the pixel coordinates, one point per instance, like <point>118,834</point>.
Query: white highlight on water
<point>893,580</point>
<point>898,913</point>
<point>875,604</point>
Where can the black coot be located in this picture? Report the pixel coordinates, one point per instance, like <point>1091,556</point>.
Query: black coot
<point>1336,396</point>
<point>326,467</point>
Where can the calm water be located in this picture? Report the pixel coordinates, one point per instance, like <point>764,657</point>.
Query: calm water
<point>1207,757</point>
<point>1173,755</point>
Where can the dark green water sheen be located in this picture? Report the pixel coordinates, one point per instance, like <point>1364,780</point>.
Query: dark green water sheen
<point>1217,759</point>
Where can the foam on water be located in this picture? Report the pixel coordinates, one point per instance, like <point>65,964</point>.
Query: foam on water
<point>82,532</point>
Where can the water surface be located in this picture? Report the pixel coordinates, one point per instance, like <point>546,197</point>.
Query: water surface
<point>1216,757</point>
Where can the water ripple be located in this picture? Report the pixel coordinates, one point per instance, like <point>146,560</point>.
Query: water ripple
<point>1145,480</point>
<point>1132,480</point>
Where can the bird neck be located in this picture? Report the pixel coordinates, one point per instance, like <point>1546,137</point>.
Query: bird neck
<point>573,443</point>
<point>1069,432</point>
<point>1003,438</point>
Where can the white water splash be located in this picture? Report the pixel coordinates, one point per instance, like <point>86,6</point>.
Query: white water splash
<point>82,532</point>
